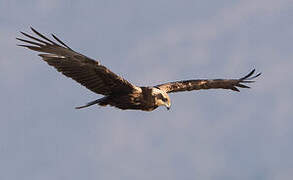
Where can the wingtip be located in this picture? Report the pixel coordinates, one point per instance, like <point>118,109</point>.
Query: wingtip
<point>235,89</point>
<point>253,77</point>
<point>248,76</point>
<point>61,42</point>
<point>242,85</point>
<point>32,28</point>
<point>22,45</point>
<point>258,74</point>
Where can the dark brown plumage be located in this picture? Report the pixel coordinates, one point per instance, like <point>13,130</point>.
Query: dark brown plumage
<point>198,84</point>
<point>117,91</point>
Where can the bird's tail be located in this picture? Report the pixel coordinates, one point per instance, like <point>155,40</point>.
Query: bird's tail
<point>98,101</point>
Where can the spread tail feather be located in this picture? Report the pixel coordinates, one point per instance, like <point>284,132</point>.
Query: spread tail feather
<point>98,101</point>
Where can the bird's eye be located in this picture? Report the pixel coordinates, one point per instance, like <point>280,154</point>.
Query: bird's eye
<point>160,96</point>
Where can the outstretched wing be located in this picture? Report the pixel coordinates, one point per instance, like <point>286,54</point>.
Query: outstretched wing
<point>84,70</point>
<point>198,84</point>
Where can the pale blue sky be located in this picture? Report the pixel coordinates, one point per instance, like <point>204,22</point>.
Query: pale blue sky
<point>208,135</point>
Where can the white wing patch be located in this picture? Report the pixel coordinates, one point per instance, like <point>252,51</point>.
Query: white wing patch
<point>51,56</point>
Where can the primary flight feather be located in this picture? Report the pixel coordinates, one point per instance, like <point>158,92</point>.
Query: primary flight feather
<point>117,91</point>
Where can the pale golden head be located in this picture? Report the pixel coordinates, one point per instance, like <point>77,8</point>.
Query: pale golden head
<point>161,98</point>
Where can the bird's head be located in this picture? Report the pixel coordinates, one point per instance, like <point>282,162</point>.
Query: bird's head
<point>161,98</point>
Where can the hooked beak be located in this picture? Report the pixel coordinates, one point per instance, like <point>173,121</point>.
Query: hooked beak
<point>168,106</point>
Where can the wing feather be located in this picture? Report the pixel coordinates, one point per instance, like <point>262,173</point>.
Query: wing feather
<point>84,70</point>
<point>198,84</point>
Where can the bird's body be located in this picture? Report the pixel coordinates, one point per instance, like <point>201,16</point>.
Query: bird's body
<point>147,100</point>
<point>136,100</point>
<point>117,91</point>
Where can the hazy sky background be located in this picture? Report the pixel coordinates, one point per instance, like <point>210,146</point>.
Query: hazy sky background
<point>207,135</point>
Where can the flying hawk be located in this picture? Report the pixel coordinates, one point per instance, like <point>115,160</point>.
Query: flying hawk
<point>117,91</point>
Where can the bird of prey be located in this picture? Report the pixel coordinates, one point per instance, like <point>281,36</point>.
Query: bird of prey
<point>117,91</point>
